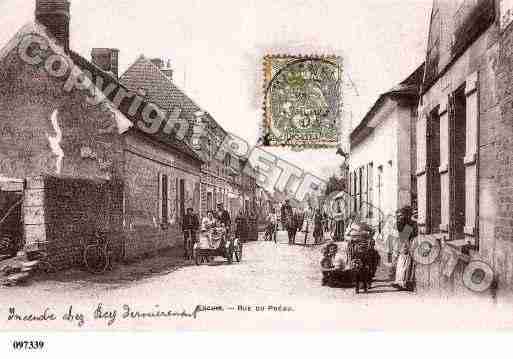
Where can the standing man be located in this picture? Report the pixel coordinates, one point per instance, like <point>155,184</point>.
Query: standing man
<point>223,216</point>
<point>190,226</point>
<point>287,220</point>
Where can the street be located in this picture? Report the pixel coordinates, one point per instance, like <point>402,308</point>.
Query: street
<point>283,281</point>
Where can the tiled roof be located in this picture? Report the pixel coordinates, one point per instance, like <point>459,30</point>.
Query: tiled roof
<point>143,74</point>
<point>166,139</point>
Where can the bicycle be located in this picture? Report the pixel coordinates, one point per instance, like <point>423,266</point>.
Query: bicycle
<point>98,256</point>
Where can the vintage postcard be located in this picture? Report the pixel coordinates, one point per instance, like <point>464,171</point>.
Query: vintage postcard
<point>255,166</point>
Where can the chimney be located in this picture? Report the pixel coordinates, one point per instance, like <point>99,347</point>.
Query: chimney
<point>158,62</point>
<point>55,16</point>
<point>106,59</point>
<point>168,71</point>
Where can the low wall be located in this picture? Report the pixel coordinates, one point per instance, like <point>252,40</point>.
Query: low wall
<point>62,215</point>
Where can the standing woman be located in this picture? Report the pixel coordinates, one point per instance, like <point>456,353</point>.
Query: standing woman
<point>405,268</point>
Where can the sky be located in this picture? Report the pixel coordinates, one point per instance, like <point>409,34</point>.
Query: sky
<point>216,48</point>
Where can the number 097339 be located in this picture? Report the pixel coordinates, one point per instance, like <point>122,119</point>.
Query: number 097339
<point>28,345</point>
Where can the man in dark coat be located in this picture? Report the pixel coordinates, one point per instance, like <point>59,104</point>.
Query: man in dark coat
<point>287,219</point>
<point>223,216</point>
<point>190,226</point>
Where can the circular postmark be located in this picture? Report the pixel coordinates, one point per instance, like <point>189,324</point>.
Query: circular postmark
<point>302,100</point>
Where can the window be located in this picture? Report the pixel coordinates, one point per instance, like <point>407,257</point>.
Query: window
<point>181,198</point>
<point>457,134</point>
<point>448,198</point>
<point>163,199</point>
<point>209,201</point>
<point>380,198</point>
<point>370,184</point>
<point>359,191</point>
<point>355,191</point>
<point>433,219</point>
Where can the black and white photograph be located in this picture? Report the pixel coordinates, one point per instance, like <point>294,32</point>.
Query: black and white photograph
<point>274,166</point>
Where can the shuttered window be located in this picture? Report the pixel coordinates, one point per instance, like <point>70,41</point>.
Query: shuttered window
<point>445,194</point>
<point>170,212</point>
<point>365,195</point>
<point>421,170</point>
<point>471,156</point>
<point>370,185</point>
<point>163,198</point>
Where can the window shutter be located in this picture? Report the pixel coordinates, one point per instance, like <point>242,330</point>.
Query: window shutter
<point>370,185</point>
<point>471,156</point>
<point>422,135</point>
<point>177,200</point>
<point>159,198</point>
<point>445,192</point>
<point>365,198</point>
<point>170,199</point>
<point>350,191</point>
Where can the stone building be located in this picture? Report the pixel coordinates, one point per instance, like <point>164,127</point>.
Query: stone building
<point>382,157</point>
<point>221,180</point>
<point>464,149</point>
<point>75,153</point>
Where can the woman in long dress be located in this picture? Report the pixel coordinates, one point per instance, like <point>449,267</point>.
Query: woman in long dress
<point>208,225</point>
<point>405,269</point>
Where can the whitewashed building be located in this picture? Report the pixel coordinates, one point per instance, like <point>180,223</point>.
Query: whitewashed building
<point>382,157</point>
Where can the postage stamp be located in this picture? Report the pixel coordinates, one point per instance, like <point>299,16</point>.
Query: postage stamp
<point>302,100</point>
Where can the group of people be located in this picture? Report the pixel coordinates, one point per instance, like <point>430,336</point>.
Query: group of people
<point>294,220</point>
<point>355,261</point>
<point>210,223</point>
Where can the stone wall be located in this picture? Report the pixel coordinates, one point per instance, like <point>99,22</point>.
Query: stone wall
<point>491,56</point>
<point>63,215</point>
<point>40,118</point>
<point>145,162</point>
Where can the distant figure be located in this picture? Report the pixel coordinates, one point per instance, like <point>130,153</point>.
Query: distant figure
<point>287,220</point>
<point>374,260</point>
<point>318,233</point>
<point>272,226</point>
<point>241,226</point>
<point>338,232</point>
<point>190,227</point>
<point>298,223</point>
